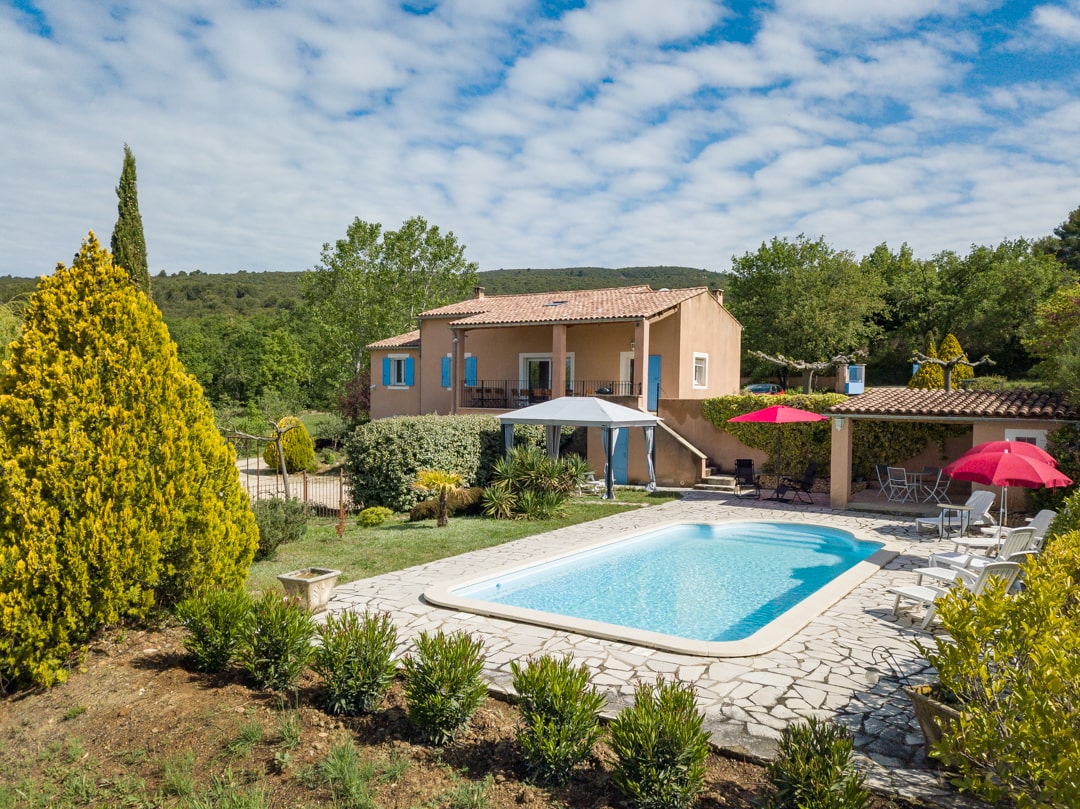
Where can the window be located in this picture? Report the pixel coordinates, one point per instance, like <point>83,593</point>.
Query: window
<point>701,370</point>
<point>535,370</point>
<point>1036,437</point>
<point>398,371</point>
<point>470,371</point>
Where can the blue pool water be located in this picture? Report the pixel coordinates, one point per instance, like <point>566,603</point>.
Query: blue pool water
<point>702,581</point>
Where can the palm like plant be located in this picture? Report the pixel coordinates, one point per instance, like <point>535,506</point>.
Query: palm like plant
<point>443,485</point>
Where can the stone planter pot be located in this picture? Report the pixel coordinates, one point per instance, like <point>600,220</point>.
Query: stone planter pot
<point>934,716</point>
<point>311,585</point>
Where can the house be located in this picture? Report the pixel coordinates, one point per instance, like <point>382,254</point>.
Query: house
<point>500,352</point>
<point>491,354</point>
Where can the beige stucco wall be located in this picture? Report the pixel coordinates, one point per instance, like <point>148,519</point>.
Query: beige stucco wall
<point>391,401</point>
<point>704,326</point>
<point>436,341</point>
<point>676,465</point>
<point>684,417</point>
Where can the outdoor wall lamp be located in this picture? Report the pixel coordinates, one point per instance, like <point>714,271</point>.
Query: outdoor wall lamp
<point>839,423</point>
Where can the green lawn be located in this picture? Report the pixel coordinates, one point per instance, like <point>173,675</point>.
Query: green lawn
<point>398,543</point>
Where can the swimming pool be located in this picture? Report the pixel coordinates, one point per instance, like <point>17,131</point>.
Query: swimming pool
<point>703,588</point>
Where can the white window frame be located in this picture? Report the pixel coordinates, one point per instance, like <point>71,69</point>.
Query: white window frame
<point>699,355</point>
<point>397,363</point>
<point>523,366</point>
<point>625,358</point>
<point>1036,437</point>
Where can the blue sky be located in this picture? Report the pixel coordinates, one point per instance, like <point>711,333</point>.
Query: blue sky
<point>544,134</point>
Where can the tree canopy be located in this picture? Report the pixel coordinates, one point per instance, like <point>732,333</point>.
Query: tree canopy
<point>373,284</point>
<point>804,299</point>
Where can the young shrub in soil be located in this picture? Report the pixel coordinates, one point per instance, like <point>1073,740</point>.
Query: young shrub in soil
<point>443,687</point>
<point>661,747</point>
<point>278,647</point>
<point>813,768</point>
<point>355,661</point>
<point>561,713</point>
<point>216,623</point>
<point>373,517</point>
<point>280,521</point>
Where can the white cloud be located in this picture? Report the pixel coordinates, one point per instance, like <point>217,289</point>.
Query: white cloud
<point>622,132</point>
<point>1058,22</point>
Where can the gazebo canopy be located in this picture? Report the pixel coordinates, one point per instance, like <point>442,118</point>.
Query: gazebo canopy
<point>580,411</point>
<point>585,411</point>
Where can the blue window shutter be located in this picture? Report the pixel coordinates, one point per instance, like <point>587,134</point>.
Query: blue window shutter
<point>470,371</point>
<point>409,372</point>
<point>446,372</point>
<point>386,371</point>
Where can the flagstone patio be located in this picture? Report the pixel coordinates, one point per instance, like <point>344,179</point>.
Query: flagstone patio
<point>842,665</point>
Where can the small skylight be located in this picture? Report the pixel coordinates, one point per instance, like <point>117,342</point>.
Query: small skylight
<point>555,303</point>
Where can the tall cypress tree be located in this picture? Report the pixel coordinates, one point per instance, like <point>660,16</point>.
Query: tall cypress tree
<point>128,242</point>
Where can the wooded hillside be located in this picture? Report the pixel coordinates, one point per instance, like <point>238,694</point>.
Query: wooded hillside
<point>198,294</point>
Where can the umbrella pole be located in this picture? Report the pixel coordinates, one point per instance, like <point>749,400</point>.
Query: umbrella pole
<point>779,436</point>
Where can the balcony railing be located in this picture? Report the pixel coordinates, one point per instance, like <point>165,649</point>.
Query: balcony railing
<point>507,394</point>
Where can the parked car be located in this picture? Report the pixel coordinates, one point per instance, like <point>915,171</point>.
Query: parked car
<point>764,388</point>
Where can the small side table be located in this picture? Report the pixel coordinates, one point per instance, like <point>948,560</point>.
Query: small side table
<point>949,512</point>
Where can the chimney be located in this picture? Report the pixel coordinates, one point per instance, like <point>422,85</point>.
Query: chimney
<point>478,293</point>
<point>719,295</point>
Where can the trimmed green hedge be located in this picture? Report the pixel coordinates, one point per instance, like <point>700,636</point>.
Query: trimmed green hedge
<point>384,456</point>
<point>873,442</point>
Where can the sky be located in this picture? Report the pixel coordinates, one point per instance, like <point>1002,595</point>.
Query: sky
<point>543,134</point>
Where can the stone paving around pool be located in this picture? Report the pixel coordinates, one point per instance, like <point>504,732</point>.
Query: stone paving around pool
<point>841,665</point>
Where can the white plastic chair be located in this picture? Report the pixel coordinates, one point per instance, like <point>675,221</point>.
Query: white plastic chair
<point>944,566</point>
<point>923,594</point>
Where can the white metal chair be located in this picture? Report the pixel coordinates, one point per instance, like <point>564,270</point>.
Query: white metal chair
<point>922,594</point>
<point>900,488</point>
<point>935,484</point>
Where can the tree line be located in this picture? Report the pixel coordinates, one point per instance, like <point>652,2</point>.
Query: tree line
<point>297,338</point>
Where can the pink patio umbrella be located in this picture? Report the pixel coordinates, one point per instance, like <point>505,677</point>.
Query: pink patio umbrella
<point>1005,469</point>
<point>778,414</point>
<point>1019,447</point>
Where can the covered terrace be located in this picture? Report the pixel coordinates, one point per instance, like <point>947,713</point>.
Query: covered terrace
<point>1011,415</point>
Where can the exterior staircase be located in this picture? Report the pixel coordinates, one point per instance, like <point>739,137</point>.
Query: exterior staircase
<point>715,481</point>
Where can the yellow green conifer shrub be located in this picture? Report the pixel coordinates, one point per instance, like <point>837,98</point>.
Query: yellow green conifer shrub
<point>297,445</point>
<point>116,490</point>
<point>930,375</point>
<point>950,349</point>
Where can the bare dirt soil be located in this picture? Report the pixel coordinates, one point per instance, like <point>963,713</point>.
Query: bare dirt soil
<point>137,728</point>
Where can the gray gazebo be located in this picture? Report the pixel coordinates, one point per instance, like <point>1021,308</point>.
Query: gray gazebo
<point>586,411</point>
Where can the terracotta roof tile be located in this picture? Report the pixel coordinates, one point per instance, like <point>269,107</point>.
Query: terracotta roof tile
<point>987,404</point>
<point>620,303</point>
<point>410,339</point>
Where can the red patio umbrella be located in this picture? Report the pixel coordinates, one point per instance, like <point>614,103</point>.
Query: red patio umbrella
<point>778,414</point>
<point>1019,447</point>
<point>1005,469</point>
